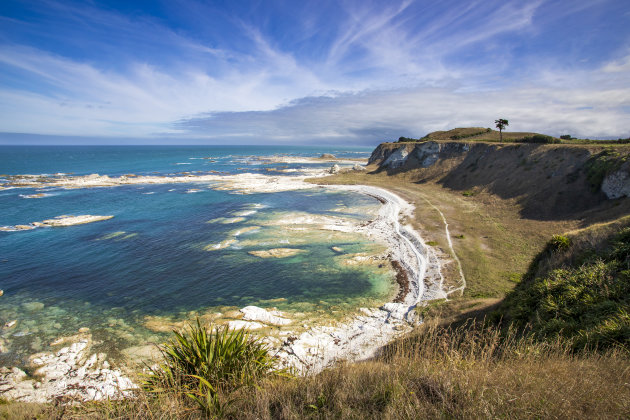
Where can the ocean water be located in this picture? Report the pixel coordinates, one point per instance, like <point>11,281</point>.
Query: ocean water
<point>170,254</point>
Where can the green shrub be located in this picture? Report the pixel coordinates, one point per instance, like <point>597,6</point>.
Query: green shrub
<point>587,302</point>
<point>559,243</point>
<point>205,364</point>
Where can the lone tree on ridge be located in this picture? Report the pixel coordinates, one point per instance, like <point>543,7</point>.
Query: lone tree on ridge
<point>501,124</point>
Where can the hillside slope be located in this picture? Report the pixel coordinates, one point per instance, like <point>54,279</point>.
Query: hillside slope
<point>549,181</point>
<point>577,288</point>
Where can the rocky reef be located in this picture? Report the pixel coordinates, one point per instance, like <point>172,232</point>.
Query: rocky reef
<point>59,221</point>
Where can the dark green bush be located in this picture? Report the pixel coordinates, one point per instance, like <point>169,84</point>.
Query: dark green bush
<point>538,138</point>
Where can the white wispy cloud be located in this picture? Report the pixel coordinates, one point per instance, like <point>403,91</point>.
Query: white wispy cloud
<point>577,107</point>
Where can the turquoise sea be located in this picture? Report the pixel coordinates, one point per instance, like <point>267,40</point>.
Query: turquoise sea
<point>159,260</point>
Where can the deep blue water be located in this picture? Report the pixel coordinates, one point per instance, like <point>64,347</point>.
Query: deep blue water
<point>150,258</point>
<point>118,160</point>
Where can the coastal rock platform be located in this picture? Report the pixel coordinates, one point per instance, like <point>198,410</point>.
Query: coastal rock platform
<point>70,373</point>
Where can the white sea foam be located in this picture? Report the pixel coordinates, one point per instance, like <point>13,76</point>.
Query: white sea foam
<point>38,195</point>
<point>245,213</point>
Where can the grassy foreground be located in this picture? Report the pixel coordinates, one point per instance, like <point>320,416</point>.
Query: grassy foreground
<point>466,372</point>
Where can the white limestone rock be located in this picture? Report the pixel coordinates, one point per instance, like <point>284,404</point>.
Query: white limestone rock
<point>616,185</point>
<point>397,158</point>
<point>254,313</point>
<point>240,324</point>
<point>397,311</point>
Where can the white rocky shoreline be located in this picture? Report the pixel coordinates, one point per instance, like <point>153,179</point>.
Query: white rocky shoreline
<point>73,372</point>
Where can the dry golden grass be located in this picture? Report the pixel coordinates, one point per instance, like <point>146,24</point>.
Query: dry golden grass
<point>466,372</point>
<point>469,372</point>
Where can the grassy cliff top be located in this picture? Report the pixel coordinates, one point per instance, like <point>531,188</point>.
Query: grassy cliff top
<point>481,134</point>
<point>476,133</point>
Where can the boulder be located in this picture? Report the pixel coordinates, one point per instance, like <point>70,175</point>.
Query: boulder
<point>254,313</point>
<point>239,325</point>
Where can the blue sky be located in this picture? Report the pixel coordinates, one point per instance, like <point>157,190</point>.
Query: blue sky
<point>303,72</point>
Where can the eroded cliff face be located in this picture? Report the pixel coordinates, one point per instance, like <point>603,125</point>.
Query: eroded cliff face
<point>549,180</point>
<point>425,154</point>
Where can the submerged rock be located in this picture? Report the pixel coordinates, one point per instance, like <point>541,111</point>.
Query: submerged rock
<point>33,306</point>
<point>277,252</point>
<point>221,245</point>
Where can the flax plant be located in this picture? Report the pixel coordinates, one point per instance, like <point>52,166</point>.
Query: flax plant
<point>208,364</point>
